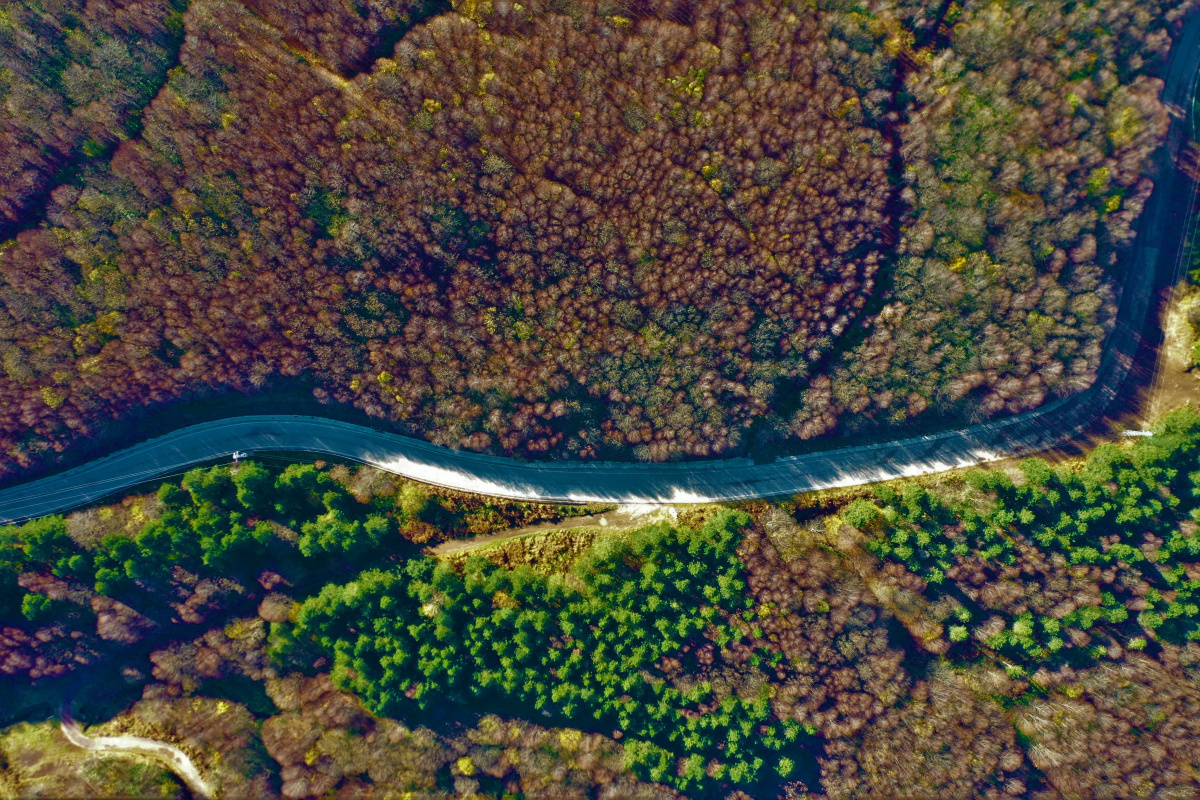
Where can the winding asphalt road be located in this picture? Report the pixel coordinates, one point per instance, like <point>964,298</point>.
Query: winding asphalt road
<point>1163,219</point>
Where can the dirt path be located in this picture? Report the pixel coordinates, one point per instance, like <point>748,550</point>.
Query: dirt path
<point>621,518</point>
<point>1174,385</point>
<point>172,757</point>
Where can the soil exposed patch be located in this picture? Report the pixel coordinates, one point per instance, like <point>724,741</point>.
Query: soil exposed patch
<point>622,518</point>
<point>1175,383</point>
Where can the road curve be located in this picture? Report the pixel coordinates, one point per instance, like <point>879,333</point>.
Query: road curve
<point>705,481</point>
<point>174,758</point>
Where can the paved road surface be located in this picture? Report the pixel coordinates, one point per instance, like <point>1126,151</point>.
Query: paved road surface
<point>1163,220</point>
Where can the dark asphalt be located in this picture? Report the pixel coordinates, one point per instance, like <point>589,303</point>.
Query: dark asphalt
<point>1163,220</point>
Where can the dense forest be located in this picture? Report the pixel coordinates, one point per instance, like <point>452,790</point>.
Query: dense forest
<point>198,547</point>
<point>724,670</point>
<point>574,228</point>
<point>1023,632</point>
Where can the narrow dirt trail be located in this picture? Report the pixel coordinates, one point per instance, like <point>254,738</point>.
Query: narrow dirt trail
<point>172,757</point>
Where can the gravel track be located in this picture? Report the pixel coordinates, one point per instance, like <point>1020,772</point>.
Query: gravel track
<point>170,756</point>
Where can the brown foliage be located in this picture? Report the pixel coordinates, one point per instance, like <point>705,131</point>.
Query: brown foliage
<point>948,740</point>
<point>840,668</point>
<point>71,77</point>
<point>324,742</point>
<point>1025,158</point>
<point>237,650</point>
<point>219,736</point>
<point>117,622</point>
<point>1116,730</point>
<point>457,238</point>
<point>589,230</point>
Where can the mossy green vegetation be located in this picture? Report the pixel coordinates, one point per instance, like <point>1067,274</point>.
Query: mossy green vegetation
<point>1126,521</point>
<point>581,647</point>
<point>37,761</point>
<point>230,522</point>
<point>954,634</point>
<point>214,521</point>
